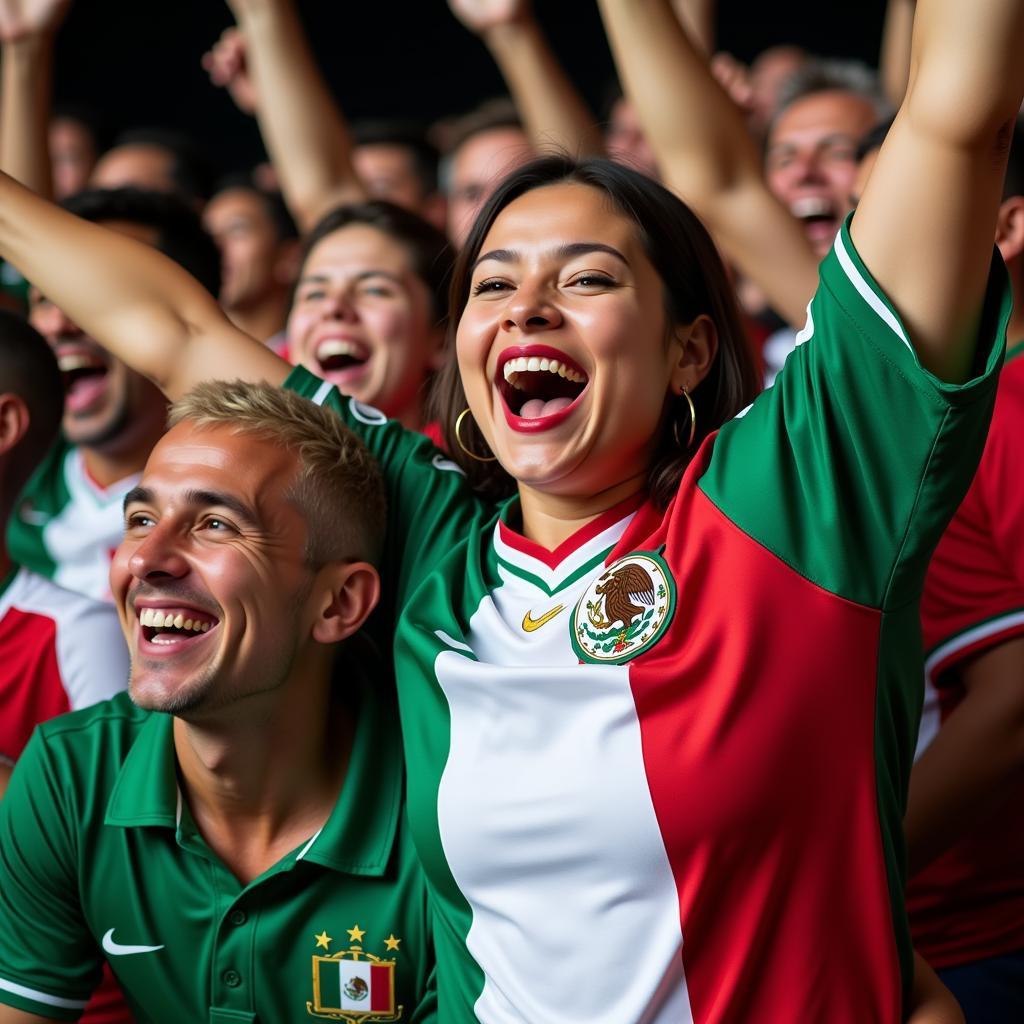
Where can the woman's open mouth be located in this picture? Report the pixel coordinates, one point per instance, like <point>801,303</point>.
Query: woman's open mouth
<point>538,386</point>
<point>338,358</point>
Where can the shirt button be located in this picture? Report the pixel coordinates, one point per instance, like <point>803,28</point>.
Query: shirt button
<point>232,979</point>
<point>238,917</point>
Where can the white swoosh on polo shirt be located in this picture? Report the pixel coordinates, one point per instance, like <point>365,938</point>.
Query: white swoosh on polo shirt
<point>116,949</point>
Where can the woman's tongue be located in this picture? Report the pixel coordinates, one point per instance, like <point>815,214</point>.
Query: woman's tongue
<point>538,408</point>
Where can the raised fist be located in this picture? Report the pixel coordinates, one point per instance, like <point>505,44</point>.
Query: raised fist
<point>226,65</point>
<point>480,15</point>
<point>21,18</point>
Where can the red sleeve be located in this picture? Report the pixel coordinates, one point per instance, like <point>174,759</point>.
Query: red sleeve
<point>974,592</point>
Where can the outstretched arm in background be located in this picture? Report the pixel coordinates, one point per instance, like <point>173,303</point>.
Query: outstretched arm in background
<point>706,153</point>
<point>553,113</point>
<point>926,222</point>
<point>136,302</point>
<point>303,128</point>
<point>27,30</point>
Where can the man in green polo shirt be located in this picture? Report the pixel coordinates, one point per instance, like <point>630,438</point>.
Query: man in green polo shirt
<point>232,838</point>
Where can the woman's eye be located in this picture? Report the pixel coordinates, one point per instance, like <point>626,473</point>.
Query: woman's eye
<point>493,285</point>
<point>311,296</point>
<point>378,291</point>
<point>592,280</point>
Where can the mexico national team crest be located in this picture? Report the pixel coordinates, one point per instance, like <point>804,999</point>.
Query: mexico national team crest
<point>625,610</point>
<point>353,986</point>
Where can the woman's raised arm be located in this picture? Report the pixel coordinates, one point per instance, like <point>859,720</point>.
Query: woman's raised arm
<point>132,299</point>
<point>926,222</point>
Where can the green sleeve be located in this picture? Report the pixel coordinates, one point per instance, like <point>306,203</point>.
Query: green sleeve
<point>49,962</point>
<point>851,465</point>
<point>430,506</point>
<point>44,496</point>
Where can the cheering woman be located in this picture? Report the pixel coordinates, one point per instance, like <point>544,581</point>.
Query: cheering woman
<point>656,643</point>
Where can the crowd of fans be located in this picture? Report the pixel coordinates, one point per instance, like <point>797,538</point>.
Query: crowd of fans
<point>528,568</point>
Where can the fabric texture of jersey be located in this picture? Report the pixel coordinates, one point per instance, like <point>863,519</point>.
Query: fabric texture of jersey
<point>65,526</point>
<point>659,774</point>
<point>59,651</point>
<point>969,903</point>
<point>99,856</point>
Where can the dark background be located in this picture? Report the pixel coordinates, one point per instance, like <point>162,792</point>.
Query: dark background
<point>136,62</point>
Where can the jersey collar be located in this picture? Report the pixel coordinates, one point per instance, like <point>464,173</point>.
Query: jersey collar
<point>552,570</point>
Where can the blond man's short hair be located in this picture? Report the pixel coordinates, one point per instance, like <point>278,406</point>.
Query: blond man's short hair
<point>339,488</point>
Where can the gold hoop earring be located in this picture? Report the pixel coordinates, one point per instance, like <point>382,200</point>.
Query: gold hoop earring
<point>458,438</point>
<point>683,393</point>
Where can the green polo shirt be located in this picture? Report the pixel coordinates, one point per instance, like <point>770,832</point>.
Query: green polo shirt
<point>99,856</point>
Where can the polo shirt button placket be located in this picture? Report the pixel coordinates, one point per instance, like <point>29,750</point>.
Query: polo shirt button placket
<point>231,978</point>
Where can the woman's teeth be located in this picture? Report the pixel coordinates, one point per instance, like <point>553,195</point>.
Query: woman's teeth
<point>535,364</point>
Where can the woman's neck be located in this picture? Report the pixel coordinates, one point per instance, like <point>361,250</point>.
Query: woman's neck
<point>550,519</point>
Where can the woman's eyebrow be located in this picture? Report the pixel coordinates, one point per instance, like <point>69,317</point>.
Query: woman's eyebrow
<point>567,251</point>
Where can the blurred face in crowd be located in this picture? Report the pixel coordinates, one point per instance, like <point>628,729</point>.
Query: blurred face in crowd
<point>139,165</point>
<point>254,260</point>
<point>107,406</point>
<point>811,159</point>
<point>363,320</point>
<point>211,579</point>
<point>72,156</point>
<point>389,172</point>
<point>626,141</point>
<point>476,168</point>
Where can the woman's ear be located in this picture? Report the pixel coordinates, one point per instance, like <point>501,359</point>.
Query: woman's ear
<point>350,592</point>
<point>694,347</point>
<point>14,421</point>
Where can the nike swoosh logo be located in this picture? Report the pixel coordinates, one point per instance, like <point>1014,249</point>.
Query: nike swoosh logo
<point>531,624</point>
<point>116,949</point>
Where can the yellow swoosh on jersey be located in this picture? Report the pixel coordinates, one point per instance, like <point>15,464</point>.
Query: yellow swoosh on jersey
<point>530,624</point>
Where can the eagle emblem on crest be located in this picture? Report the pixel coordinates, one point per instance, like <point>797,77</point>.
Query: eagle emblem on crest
<point>625,610</point>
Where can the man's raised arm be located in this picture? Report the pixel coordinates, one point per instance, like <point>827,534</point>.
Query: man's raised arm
<point>303,128</point>
<point>553,113</point>
<point>132,299</point>
<point>706,153</point>
<point>925,224</point>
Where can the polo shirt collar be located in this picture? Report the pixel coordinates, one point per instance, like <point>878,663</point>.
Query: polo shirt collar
<point>358,836</point>
<point>146,790</point>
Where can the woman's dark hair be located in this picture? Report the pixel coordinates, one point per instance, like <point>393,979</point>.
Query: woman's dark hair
<point>429,250</point>
<point>695,282</point>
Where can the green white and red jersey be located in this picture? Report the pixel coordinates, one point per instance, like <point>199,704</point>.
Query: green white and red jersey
<point>659,773</point>
<point>58,651</point>
<point>969,903</point>
<point>65,526</point>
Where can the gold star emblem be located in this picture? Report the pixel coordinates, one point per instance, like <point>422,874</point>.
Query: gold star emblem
<point>391,943</point>
<point>323,939</point>
<point>355,934</point>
